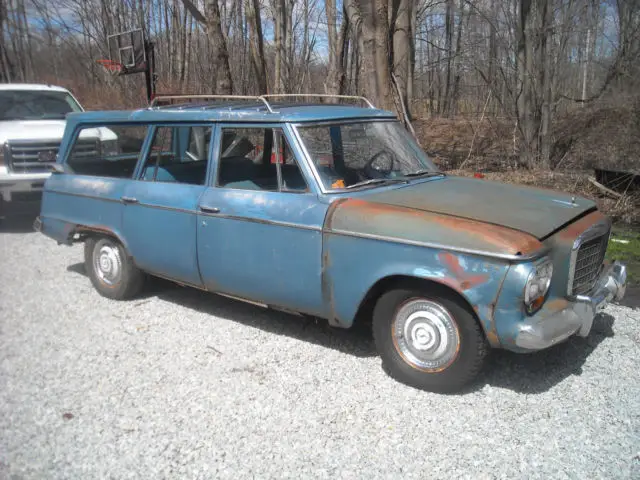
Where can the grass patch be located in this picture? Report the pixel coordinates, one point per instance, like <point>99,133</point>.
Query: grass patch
<point>627,251</point>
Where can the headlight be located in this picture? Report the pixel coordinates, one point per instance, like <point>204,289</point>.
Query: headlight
<point>109,147</point>
<point>537,286</point>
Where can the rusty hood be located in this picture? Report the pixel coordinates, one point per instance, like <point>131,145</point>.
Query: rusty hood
<point>535,211</point>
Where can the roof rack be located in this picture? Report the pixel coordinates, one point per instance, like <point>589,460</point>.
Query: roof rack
<point>258,98</point>
<point>154,102</point>
<point>321,95</point>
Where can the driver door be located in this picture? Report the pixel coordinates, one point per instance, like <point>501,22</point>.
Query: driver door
<point>260,225</point>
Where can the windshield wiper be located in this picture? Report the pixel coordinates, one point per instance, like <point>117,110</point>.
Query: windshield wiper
<point>372,181</point>
<point>424,173</point>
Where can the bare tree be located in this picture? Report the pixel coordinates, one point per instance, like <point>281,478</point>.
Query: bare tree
<point>212,22</point>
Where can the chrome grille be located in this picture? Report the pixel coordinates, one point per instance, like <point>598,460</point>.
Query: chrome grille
<point>588,261</point>
<point>37,157</point>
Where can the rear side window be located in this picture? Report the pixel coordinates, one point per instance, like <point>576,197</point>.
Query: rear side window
<point>178,154</point>
<point>107,150</point>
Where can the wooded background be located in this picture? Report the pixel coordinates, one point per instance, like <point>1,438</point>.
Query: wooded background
<point>520,66</point>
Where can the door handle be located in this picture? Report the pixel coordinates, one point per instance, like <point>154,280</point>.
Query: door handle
<point>129,200</point>
<point>207,209</point>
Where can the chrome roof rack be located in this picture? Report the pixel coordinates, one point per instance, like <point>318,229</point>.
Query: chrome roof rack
<point>154,102</point>
<point>320,95</point>
<point>257,98</point>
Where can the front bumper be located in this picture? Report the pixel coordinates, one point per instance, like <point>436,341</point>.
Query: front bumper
<point>577,318</point>
<point>20,193</point>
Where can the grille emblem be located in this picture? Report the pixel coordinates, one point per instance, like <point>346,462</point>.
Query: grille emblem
<point>47,156</point>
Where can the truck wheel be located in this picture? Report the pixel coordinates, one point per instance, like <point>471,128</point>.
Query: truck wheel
<point>110,269</point>
<point>430,341</point>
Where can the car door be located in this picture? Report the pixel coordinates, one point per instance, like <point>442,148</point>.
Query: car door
<point>160,214</point>
<point>260,224</point>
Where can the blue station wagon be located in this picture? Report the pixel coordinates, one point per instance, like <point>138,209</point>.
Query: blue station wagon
<point>330,210</point>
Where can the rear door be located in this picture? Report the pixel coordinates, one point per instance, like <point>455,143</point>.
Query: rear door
<point>160,213</point>
<point>100,161</point>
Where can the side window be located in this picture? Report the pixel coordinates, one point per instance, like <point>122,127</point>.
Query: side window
<point>107,150</point>
<point>258,159</point>
<point>178,155</point>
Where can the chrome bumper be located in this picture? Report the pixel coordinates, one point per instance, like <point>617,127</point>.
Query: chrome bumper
<point>578,318</point>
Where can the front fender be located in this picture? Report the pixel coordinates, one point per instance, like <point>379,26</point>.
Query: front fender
<point>354,265</point>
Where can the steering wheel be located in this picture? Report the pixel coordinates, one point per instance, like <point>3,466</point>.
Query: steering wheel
<point>384,165</point>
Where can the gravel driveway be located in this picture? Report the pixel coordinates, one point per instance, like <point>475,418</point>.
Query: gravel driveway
<point>184,384</point>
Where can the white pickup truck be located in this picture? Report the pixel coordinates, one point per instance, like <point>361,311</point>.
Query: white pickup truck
<point>32,121</point>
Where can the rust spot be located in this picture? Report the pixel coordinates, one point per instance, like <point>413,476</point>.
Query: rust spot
<point>328,219</point>
<point>572,231</point>
<point>505,239</point>
<point>464,280</point>
<point>556,304</point>
<point>492,337</point>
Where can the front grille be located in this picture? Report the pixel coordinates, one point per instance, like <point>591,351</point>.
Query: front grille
<point>37,157</point>
<point>588,261</point>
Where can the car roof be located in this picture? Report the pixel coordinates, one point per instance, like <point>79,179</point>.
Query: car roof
<point>236,111</point>
<point>31,86</point>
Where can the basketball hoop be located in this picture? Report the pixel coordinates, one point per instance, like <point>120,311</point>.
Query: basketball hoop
<point>114,68</point>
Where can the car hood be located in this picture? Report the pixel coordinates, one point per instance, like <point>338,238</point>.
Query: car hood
<point>31,130</point>
<point>535,211</point>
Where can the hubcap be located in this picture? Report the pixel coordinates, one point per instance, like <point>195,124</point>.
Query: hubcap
<point>425,335</point>
<point>107,262</point>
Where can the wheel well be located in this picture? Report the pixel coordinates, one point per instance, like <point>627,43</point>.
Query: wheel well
<point>365,310</point>
<point>89,232</point>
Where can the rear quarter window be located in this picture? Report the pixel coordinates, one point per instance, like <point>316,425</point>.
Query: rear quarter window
<point>107,150</point>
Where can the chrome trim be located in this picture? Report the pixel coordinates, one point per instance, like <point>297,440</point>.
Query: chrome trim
<point>596,230</point>
<point>320,95</point>
<point>503,256</point>
<point>261,220</point>
<point>84,195</point>
<point>163,207</point>
<point>538,332</point>
<point>241,299</point>
<point>154,101</point>
<point>260,98</point>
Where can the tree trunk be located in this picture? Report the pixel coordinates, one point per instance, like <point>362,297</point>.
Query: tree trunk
<point>258,62</point>
<point>524,100</point>
<point>335,83</point>
<point>544,142</point>
<point>370,19</point>
<point>402,50</point>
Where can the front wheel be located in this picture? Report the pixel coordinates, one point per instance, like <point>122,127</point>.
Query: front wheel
<point>429,341</point>
<point>112,272</point>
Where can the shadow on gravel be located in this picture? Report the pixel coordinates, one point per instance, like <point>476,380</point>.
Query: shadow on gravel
<point>18,224</point>
<point>538,372</point>
<point>524,373</point>
<point>357,341</point>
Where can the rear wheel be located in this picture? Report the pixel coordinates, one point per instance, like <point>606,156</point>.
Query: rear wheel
<point>112,272</point>
<point>428,340</point>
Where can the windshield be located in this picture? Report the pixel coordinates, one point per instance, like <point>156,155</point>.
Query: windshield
<point>36,105</point>
<point>352,155</point>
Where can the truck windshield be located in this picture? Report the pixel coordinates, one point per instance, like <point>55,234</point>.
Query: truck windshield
<point>364,154</point>
<point>35,105</point>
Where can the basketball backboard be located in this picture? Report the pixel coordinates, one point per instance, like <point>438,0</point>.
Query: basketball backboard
<point>128,49</point>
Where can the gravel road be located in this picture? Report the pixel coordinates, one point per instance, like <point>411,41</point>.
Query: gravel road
<point>184,384</point>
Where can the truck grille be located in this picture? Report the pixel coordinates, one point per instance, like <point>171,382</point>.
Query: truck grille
<point>588,260</point>
<point>37,157</point>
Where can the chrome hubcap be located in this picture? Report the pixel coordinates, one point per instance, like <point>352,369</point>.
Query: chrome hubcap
<point>107,262</point>
<point>425,334</point>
